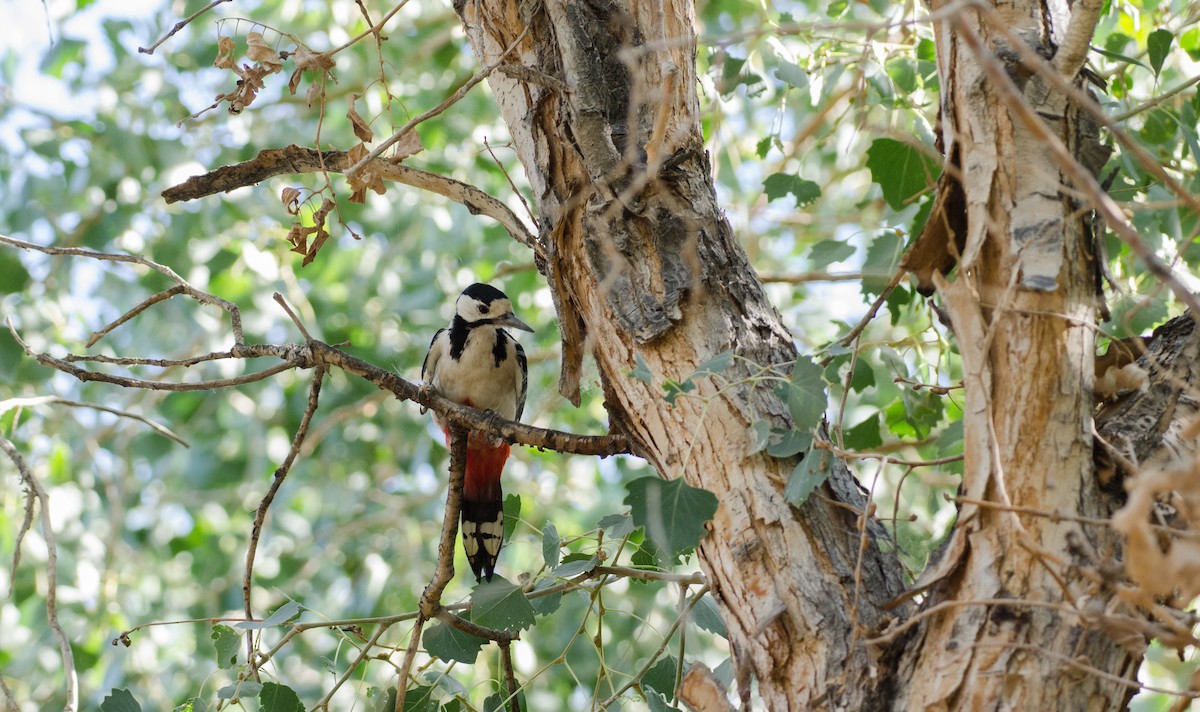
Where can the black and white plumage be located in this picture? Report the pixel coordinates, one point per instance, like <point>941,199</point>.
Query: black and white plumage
<point>476,362</point>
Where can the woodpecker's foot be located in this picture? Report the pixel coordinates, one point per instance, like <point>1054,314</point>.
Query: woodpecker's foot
<point>425,390</point>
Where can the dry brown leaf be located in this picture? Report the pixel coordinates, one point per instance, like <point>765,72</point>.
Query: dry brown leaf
<point>315,92</point>
<point>357,153</point>
<point>259,51</point>
<point>361,129</point>
<point>408,145</point>
<point>322,234</point>
<point>305,60</point>
<point>225,49</point>
<point>291,200</point>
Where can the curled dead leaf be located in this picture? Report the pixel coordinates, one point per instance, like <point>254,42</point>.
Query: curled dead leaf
<point>361,129</point>
<point>259,51</point>
<point>291,200</point>
<point>306,60</point>
<point>408,145</point>
<point>225,49</point>
<point>321,233</point>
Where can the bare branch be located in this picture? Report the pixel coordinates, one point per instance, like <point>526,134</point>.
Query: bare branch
<point>1072,51</point>
<point>11,403</point>
<point>235,316</point>
<point>431,597</point>
<point>510,680</point>
<point>64,645</point>
<point>179,26</point>
<point>294,159</point>
<point>260,515</point>
<point>8,696</point>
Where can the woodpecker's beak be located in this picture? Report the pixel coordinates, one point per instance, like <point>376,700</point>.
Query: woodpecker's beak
<point>511,319</point>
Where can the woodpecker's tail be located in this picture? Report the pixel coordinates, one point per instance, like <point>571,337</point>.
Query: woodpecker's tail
<point>483,506</point>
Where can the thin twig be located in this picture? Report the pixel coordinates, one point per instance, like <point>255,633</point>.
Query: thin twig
<point>510,679</point>
<point>11,403</point>
<point>431,597</point>
<point>64,645</point>
<point>179,26</point>
<point>10,700</point>
<point>235,316</point>
<point>260,514</point>
<point>453,99</point>
<point>150,301</point>
<point>637,677</point>
<point>292,315</point>
<point>362,655</point>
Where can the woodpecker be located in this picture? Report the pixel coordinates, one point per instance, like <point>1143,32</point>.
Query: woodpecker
<point>476,362</point>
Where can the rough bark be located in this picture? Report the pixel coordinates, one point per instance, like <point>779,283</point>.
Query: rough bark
<point>643,264</point>
<point>1023,309</point>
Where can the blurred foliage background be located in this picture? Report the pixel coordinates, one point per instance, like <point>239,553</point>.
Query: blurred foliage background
<point>815,113</point>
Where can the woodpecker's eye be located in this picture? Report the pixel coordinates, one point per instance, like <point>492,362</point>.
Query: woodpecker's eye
<point>482,309</point>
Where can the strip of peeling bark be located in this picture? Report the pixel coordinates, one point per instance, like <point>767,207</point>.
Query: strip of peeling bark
<point>1023,308</point>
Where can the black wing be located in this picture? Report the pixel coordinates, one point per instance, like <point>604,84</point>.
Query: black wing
<point>425,376</point>
<point>523,364</point>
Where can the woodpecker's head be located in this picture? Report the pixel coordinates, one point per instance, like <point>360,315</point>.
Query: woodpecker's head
<point>482,304</point>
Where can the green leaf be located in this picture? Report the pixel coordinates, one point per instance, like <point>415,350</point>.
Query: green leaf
<point>865,435</point>
<point>193,705</point>
<point>671,512</point>
<point>657,703</point>
<point>641,372</point>
<point>500,604</point>
<point>120,701</point>
<point>238,690</point>
<point>901,170</point>
<point>789,443</point>
<point>804,394</point>
<point>883,258</point>
<point>551,545</point>
<point>661,677</point>
<point>498,702</point>
<point>705,615</point>
<point>1158,46</point>
<point>278,698</point>
<point>284,613</point>
<point>763,147</point>
<point>448,643</point>
<point>716,364</point>
<point>778,185</point>
<point>618,525</point>
<point>512,514</point>
<point>226,641</point>
<point>381,700</point>
<point>1190,42</point>
<point>792,74</point>
<point>862,378</point>
<point>826,252</point>
<point>760,436</point>
<point>807,476</point>
<point>574,564</point>
<point>419,698</point>
<point>673,390</point>
<point>549,603</point>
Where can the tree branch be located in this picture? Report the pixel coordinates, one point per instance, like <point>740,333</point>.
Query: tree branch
<point>64,645</point>
<point>260,515</point>
<point>294,159</point>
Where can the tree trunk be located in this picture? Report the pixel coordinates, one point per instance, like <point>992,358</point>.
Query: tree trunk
<point>600,99</point>
<point>643,264</point>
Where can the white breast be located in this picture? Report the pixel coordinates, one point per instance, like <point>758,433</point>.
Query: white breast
<point>475,378</point>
